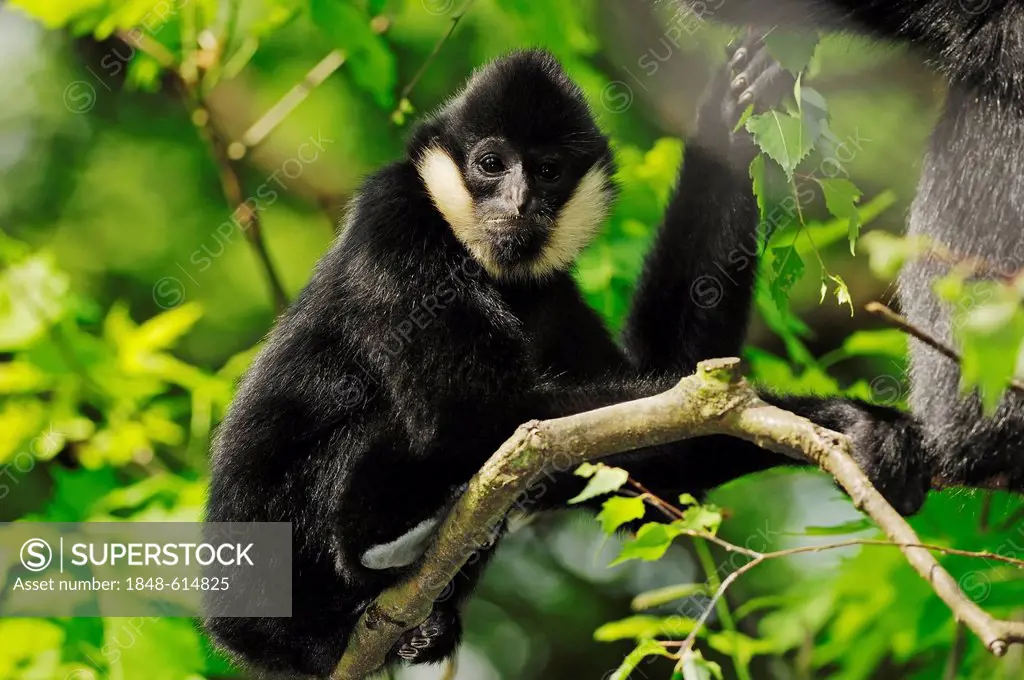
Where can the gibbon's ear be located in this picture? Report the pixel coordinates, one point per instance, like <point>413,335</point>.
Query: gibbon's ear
<point>427,133</point>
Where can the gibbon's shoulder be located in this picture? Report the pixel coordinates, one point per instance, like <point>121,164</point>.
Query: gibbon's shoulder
<point>391,210</point>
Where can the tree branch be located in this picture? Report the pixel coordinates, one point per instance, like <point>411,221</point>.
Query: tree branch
<point>897,321</point>
<point>259,130</point>
<point>716,400</point>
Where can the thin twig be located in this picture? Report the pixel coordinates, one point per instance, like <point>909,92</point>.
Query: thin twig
<point>407,90</point>
<point>246,217</point>
<point>266,124</point>
<point>894,319</point>
<point>956,653</point>
<point>153,48</point>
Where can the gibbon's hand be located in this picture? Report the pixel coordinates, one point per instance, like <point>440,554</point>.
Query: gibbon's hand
<point>752,77</point>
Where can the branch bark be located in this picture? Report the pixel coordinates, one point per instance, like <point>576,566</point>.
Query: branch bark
<point>715,400</point>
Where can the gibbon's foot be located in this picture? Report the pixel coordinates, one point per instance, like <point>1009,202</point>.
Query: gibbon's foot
<point>432,641</point>
<point>888,448</point>
<point>885,442</point>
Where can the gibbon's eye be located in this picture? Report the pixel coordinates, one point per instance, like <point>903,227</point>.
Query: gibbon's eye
<point>549,171</point>
<point>492,164</point>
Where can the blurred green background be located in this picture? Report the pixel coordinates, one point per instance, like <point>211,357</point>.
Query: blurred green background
<point>130,303</point>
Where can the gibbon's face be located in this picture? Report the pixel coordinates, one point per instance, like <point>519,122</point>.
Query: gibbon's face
<point>518,168</point>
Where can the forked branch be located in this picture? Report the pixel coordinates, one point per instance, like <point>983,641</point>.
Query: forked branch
<point>715,400</point>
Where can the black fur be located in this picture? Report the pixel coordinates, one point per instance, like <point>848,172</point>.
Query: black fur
<point>970,198</point>
<point>404,363</point>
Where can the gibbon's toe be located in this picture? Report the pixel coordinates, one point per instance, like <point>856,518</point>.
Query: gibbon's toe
<point>432,641</point>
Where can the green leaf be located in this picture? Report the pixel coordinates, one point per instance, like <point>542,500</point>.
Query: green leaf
<point>852,527</point>
<point>733,643</point>
<point>787,268</point>
<point>696,667</point>
<point>368,58</point>
<point>701,518</point>
<point>842,291</point>
<point>618,510</point>
<point>33,295</point>
<point>888,254</point>
<point>990,336</point>
<point>603,479</point>
<point>166,328</point>
<point>633,659</point>
<point>163,649</point>
<point>888,342</point>
<point>660,596</point>
<point>55,14</point>
<point>650,544</point>
<point>841,199</point>
<point>792,49</point>
<point>687,499</point>
<point>645,627</point>
<point>787,139</point>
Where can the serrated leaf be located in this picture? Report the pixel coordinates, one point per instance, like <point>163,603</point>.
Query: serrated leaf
<point>705,518</point>
<point>603,479</point>
<point>787,139</point>
<point>650,544</point>
<point>660,596</point>
<point>841,199</point>
<point>792,49</point>
<point>757,179</point>
<point>618,510</point>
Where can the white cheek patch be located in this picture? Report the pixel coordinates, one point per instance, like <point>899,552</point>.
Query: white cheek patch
<point>443,180</point>
<point>577,223</point>
<point>404,550</point>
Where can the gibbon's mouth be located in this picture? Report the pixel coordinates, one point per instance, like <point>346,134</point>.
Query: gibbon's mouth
<point>516,240</point>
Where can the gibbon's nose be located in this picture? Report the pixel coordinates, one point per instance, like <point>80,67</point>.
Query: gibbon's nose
<point>517,191</point>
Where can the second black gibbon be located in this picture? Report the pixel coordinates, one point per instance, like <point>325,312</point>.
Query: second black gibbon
<point>444,317</point>
<point>970,198</point>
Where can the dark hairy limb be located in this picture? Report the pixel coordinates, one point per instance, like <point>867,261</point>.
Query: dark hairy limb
<point>693,297</point>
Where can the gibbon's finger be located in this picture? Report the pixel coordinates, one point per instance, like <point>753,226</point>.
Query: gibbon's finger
<point>769,87</point>
<point>759,62</point>
<point>740,50</point>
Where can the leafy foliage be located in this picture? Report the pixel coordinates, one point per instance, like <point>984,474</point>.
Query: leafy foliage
<point>108,395</point>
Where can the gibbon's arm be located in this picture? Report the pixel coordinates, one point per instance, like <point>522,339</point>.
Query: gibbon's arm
<point>693,298</point>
